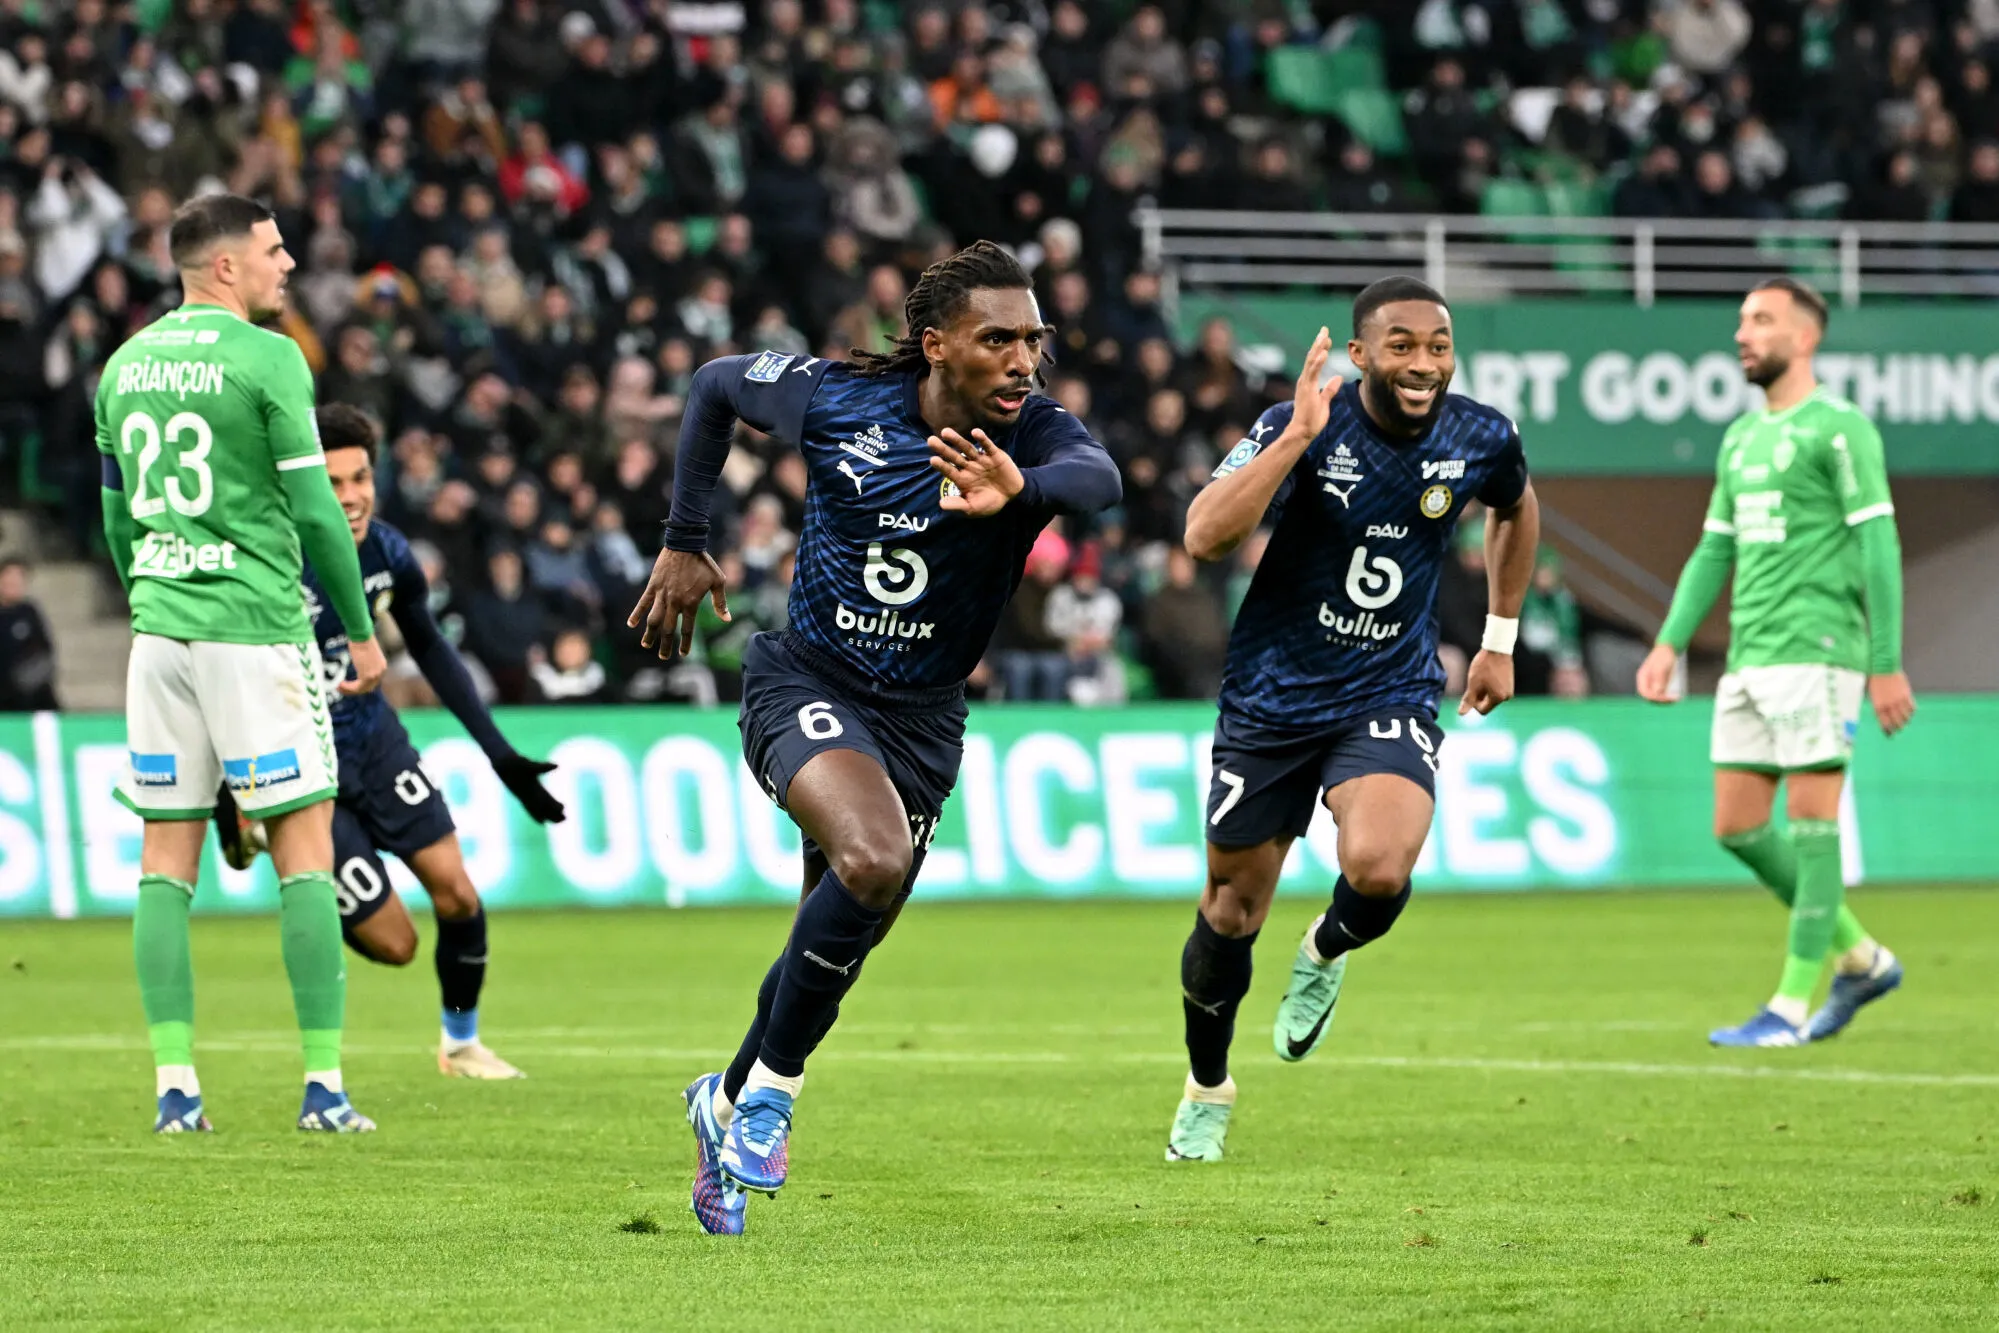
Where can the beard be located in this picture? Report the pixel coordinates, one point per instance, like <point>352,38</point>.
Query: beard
<point>1766,371</point>
<point>1386,407</point>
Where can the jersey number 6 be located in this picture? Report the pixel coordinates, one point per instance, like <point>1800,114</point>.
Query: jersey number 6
<point>816,720</point>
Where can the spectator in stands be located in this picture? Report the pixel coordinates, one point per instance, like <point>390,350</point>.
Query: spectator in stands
<point>1705,36</point>
<point>1359,185</point>
<point>72,216</point>
<point>1145,50</point>
<point>1032,659</point>
<point>789,207</point>
<point>1184,638</point>
<point>567,673</point>
<point>1895,196</point>
<point>1273,184</point>
<point>1441,116</point>
<point>505,625</point>
<point>1977,200</point>
<point>1658,190</point>
<point>1085,616</point>
<point>1551,627</point>
<point>27,650</point>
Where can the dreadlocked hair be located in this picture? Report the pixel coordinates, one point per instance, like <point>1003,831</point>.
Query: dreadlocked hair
<point>938,298</point>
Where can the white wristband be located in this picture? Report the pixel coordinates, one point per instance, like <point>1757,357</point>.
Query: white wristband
<point>1500,634</point>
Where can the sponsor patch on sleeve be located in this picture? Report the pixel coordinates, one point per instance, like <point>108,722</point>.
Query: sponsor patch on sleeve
<point>1245,449</point>
<point>767,367</point>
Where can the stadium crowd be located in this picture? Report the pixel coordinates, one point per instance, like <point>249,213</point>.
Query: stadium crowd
<point>522,224</point>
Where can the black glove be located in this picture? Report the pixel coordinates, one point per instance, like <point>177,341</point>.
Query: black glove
<point>523,778</point>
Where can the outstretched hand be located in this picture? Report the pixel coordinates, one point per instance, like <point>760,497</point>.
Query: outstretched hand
<point>1311,404</point>
<point>522,776</point>
<point>985,475</point>
<point>672,599</point>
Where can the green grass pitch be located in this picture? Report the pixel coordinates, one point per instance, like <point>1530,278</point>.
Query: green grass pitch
<point>1515,1123</point>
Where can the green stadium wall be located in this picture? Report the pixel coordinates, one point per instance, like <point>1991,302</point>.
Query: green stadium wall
<point>1613,389</point>
<point>1052,803</point>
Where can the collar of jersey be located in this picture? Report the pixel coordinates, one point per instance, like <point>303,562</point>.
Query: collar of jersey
<point>204,307</point>
<point>1818,391</point>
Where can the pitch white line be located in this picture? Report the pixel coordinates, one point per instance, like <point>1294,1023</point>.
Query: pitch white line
<point>254,1042</point>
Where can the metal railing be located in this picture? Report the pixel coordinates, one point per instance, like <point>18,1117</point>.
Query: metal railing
<point>1642,259</point>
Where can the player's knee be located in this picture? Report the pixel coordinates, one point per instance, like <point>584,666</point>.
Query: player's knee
<point>874,870</point>
<point>1230,909</point>
<point>1377,871</point>
<point>455,900</point>
<point>397,950</point>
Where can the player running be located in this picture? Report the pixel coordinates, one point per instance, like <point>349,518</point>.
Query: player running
<point>1801,512</point>
<point>213,480</point>
<point>387,803</point>
<point>1332,681</point>
<point>932,470</point>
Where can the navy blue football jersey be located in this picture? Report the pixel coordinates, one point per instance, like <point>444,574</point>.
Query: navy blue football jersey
<point>894,588</point>
<point>395,585</point>
<point>1340,618</point>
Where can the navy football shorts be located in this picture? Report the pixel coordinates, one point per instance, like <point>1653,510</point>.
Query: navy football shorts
<point>387,803</point>
<point>1268,786</point>
<point>795,708</point>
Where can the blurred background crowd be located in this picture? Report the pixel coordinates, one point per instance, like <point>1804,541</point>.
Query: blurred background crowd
<point>522,224</point>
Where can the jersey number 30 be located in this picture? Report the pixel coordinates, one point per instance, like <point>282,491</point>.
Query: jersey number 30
<point>182,429</point>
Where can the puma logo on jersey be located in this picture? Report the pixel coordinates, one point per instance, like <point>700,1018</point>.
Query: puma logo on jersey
<point>848,468</point>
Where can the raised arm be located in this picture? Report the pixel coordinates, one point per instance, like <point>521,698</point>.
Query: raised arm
<point>1228,508</point>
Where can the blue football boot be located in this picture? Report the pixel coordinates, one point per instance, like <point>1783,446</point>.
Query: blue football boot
<point>1850,992</point>
<point>755,1151</point>
<point>1767,1028</point>
<point>329,1112</point>
<point>180,1114</point>
<point>720,1205</point>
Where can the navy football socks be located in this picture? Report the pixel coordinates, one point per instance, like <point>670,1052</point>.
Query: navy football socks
<point>822,960</point>
<point>1355,919</point>
<point>461,972</point>
<point>1214,976</point>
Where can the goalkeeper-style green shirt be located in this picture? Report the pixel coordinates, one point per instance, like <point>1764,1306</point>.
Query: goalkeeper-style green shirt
<point>202,412</point>
<point>1790,488</point>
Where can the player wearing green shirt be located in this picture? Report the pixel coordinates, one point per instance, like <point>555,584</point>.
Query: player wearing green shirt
<point>1801,513</point>
<point>213,482</point>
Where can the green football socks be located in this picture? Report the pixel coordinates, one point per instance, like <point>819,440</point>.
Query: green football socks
<point>166,969</point>
<point>309,922</point>
<point>1771,854</point>
<point>1814,907</point>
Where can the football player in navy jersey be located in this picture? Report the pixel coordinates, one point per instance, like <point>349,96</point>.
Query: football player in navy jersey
<point>1332,682</point>
<point>387,803</point>
<point>931,468</point>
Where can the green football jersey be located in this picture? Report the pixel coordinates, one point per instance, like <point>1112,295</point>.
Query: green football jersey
<point>202,410</point>
<point>1790,488</point>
